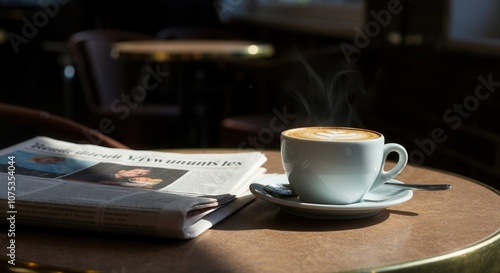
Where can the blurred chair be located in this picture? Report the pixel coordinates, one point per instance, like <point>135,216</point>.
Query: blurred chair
<point>249,132</point>
<point>108,87</point>
<point>55,126</point>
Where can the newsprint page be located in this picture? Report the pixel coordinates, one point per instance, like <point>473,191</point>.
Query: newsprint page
<point>47,182</point>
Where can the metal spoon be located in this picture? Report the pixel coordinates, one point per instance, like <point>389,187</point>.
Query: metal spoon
<point>280,190</point>
<point>427,187</point>
<point>285,190</point>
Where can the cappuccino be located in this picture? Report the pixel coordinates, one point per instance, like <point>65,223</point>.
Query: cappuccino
<point>337,165</point>
<point>332,134</point>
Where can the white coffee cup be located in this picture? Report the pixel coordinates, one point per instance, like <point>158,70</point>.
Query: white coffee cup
<point>337,165</point>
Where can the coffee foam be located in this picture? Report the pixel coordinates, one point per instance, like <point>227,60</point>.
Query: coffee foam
<point>332,134</point>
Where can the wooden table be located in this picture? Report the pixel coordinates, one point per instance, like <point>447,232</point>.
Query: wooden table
<point>451,231</point>
<point>191,50</point>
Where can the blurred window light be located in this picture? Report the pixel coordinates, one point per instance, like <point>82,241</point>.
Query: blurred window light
<point>69,72</point>
<point>253,49</point>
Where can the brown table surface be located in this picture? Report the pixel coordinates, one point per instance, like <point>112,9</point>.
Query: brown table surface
<point>191,50</point>
<point>450,231</point>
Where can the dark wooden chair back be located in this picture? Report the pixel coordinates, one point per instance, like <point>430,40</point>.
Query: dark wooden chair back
<point>105,82</point>
<point>57,125</point>
<point>102,78</point>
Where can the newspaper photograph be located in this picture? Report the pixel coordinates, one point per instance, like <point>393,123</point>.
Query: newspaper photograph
<point>53,183</point>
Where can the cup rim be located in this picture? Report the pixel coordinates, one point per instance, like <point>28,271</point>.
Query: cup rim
<point>381,136</point>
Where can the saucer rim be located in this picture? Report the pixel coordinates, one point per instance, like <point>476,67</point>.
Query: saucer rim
<point>397,199</point>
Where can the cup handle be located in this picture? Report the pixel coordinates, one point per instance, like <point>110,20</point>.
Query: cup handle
<point>385,176</point>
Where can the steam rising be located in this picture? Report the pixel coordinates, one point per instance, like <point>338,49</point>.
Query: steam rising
<point>326,97</point>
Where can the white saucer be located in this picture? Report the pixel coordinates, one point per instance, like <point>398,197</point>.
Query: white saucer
<point>366,208</point>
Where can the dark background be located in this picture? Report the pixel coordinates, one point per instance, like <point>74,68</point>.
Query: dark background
<point>403,89</point>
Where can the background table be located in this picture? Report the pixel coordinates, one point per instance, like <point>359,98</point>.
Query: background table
<point>451,231</point>
<point>193,93</point>
<point>191,50</point>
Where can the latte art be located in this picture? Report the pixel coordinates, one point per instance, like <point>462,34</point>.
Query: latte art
<point>332,134</point>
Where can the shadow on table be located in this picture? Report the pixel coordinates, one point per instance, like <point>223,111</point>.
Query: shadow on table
<point>400,212</point>
<point>107,252</point>
<point>268,216</point>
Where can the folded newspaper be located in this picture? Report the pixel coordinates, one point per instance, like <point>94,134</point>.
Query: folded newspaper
<point>53,183</point>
